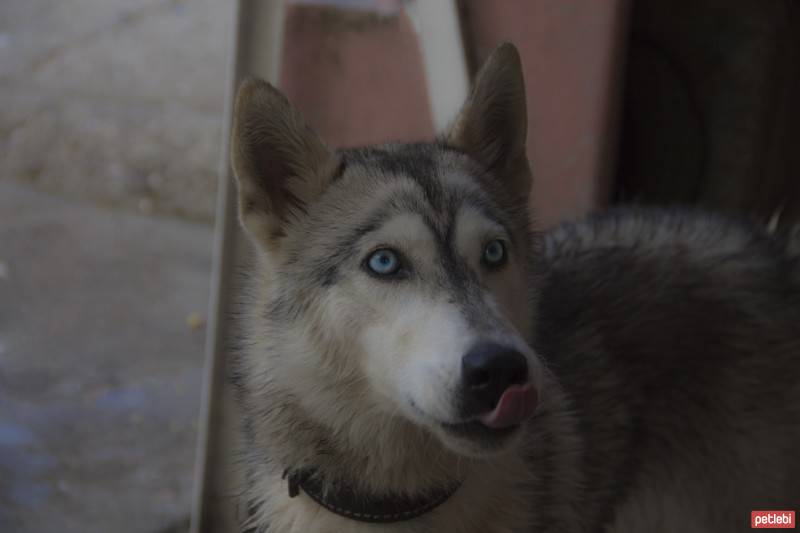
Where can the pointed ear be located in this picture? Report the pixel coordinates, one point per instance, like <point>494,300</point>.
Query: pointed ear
<point>280,164</point>
<point>493,124</point>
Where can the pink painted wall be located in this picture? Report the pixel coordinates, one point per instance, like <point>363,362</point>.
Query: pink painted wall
<point>357,76</point>
<point>571,58</point>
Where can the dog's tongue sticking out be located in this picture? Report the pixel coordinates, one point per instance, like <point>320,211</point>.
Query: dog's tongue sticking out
<point>516,404</point>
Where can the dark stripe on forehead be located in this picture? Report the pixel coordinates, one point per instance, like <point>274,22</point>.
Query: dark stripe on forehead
<point>436,205</point>
<point>326,271</point>
<point>484,205</point>
<point>418,162</point>
<point>461,283</point>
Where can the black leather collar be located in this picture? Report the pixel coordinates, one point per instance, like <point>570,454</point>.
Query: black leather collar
<point>345,501</point>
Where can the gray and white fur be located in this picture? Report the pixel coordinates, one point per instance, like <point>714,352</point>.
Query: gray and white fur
<point>664,345</point>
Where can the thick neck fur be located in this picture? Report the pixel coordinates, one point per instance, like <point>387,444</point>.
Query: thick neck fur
<point>373,452</point>
<point>503,493</point>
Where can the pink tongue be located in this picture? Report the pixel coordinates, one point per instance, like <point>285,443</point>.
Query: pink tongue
<point>517,403</point>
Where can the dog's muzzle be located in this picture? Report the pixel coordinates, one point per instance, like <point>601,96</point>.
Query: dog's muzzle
<point>496,387</point>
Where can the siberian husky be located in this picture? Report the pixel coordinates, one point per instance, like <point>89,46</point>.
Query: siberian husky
<point>417,357</point>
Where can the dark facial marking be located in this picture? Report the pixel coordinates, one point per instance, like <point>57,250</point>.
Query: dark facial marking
<point>326,271</point>
<point>486,208</point>
<point>416,161</point>
<point>337,174</point>
<point>326,275</point>
<point>420,163</point>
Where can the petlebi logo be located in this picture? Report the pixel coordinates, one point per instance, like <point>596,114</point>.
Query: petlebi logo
<point>772,520</point>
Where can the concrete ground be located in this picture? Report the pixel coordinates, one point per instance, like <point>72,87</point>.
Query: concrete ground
<point>110,130</point>
<point>117,101</point>
<point>99,367</point>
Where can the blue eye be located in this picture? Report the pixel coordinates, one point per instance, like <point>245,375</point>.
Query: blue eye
<point>384,262</point>
<point>494,255</point>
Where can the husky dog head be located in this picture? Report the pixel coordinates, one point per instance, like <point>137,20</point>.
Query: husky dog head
<point>396,277</point>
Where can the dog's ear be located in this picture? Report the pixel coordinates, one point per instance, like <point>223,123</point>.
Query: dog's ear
<point>492,125</point>
<point>280,164</point>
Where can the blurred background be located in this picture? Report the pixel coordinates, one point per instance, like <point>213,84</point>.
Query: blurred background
<point>112,117</point>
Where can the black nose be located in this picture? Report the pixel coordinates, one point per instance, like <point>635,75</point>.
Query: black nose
<point>487,371</point>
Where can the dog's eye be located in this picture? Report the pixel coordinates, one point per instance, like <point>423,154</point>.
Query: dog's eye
<point>384,262</point>
<point>494,254</point>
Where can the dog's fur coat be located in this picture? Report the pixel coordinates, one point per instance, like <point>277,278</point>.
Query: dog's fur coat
<point>664,344</point>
